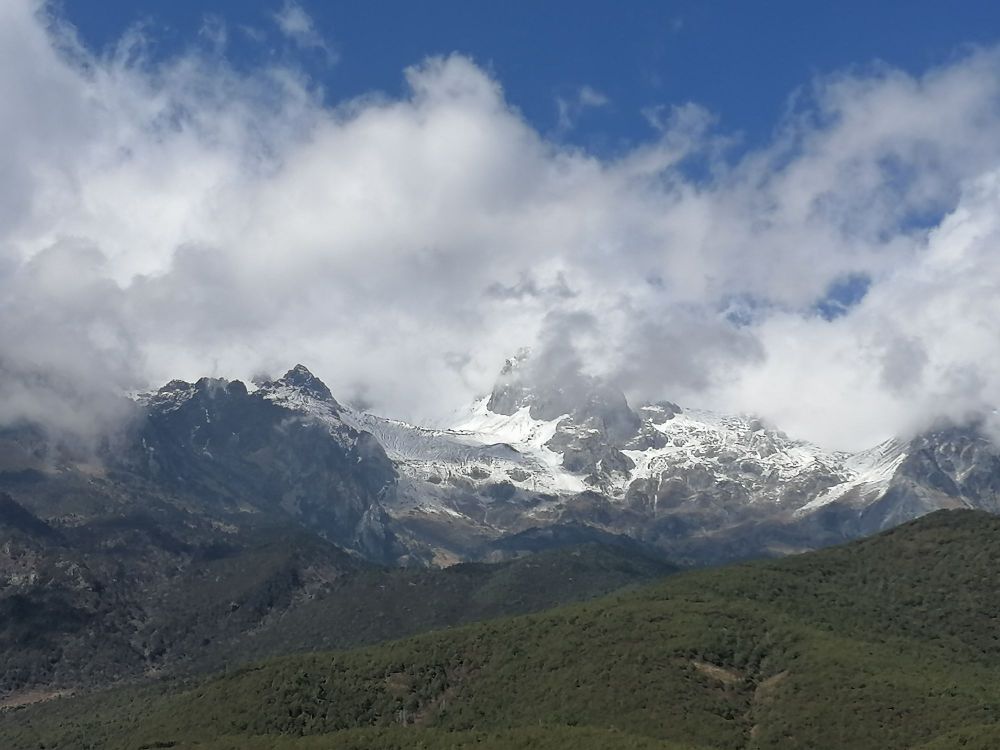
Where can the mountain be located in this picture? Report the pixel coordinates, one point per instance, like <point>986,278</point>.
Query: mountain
<point>224,522</point>
<point>544,450</point>
<point>218,520</point>
<point>547,447</point>
<point>882,644</point>
<point>263,452</point>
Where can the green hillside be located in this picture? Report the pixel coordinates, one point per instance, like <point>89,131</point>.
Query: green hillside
<point>91,618</point>
<point>892,642</point>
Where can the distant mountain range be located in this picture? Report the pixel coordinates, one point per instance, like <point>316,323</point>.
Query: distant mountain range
<point>221,512</point>
<point>541,452</point>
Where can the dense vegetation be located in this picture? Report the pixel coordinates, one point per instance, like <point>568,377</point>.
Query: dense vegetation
<point>550,738</point>
<point>89,620</point>
<point>892,642</point>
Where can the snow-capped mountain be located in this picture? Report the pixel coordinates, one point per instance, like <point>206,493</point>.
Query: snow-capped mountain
<point>571,450</point>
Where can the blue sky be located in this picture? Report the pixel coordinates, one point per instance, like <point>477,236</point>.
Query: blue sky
<point>741,60</point>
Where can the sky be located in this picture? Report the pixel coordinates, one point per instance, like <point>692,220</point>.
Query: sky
<point>741,61</point>
<point>786,209</point>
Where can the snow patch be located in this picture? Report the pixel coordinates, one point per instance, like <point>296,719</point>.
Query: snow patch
<point>871,471</point>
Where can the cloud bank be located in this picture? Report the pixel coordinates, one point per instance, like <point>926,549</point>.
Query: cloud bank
<point>179,218</point>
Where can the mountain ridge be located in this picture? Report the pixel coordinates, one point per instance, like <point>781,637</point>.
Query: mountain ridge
<point>661,473</point>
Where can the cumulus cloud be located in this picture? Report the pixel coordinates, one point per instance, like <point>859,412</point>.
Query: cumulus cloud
<point>181,218</point>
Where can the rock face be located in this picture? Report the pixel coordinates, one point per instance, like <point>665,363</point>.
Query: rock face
<point>280,450</point>
<point>954,467</point>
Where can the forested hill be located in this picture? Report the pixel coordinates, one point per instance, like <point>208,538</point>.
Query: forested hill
<point>891,642</point>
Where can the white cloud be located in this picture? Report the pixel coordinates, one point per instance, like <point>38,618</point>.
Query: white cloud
<point>214,30</point>
<point>570,109</point>
<point>179,218</point>
<point>295,23</point>
<point>591,97</point>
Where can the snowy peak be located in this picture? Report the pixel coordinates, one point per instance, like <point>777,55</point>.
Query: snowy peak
<point>729,462</point>
<point>301,380</point>
<point>553,390</point>
<point>554,446</point>
<point>512,389</point>
<point>214,401</point>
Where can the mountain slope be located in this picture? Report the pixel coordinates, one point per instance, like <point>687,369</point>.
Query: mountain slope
<point>260,452</point>
<point>106,605</point>
<point>550,448</point>
<point>885,643</point>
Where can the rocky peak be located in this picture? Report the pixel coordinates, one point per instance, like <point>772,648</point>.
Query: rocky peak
<point>551,390</point>
<point>958,461</point>
<point>206,392</point>
<point>511,391</point>
<point>301,378</point>
<point>282,451</point>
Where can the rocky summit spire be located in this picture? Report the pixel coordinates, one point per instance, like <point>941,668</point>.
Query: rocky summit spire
<point>301,379</point>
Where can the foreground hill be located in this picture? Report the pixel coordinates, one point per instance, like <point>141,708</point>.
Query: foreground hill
<point>891,642</point>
